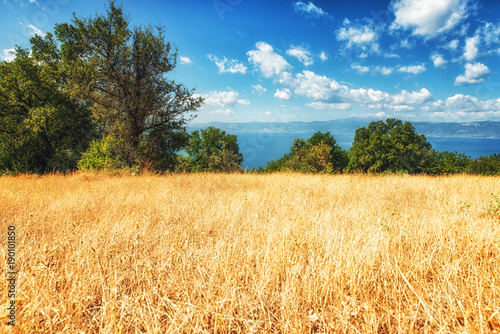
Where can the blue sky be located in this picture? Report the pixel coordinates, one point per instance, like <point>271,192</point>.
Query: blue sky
<point>286,60</point>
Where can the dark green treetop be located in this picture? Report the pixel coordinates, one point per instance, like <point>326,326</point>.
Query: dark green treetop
<point>389,145</point>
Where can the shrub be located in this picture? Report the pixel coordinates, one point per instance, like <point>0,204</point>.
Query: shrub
<point>104,154</point>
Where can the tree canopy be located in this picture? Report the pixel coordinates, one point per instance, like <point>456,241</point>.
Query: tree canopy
<point>42,127</point>
<point>319,153</point>
<point>123,71</point>
<point>213,150</point>
<point>388,146</point>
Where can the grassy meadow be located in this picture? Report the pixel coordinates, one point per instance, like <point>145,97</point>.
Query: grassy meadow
<point>243,253</point>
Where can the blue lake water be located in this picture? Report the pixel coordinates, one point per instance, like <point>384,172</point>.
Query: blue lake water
<point>260,148</point>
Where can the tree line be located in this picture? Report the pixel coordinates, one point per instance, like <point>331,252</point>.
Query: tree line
<point>96,95</point>
<point>389,146</point>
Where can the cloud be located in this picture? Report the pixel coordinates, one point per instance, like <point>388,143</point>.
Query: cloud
<point>414,69</point>
<point>301,54</point>
<point>323,56</point>
<point>360,69</point>
<point>385,70</point>
<point>228,66</point>
<point>267,61</point>
<point>8,54</point>
<point>327,93</point>
<point>244,102</point>
<point>329,106</point>
<point>474,74</point>
<point>438,60</point>
<point>453,45</point>
<point>32,30</point>
<point>226,112</point>
<point>405,44</point>
<point>284,94</point>
<point>490,33</point>
<point>428,18</point>
<point>470,50</point>
<point>400,108</point>
<point>309,9</point>
<point>360,36</point>
<point>368,96</point>
<point>465,107</point>
<point>391,55</point>
<point>315,87</point>
<point>185,60</point>
<point>259,89</point>
<point>413,98</point>
<point>222,99</point>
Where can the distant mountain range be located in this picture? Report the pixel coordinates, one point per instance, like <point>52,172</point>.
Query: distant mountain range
<point>485,129</point>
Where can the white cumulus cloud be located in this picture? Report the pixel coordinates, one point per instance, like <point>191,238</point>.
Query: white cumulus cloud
<point>314,86</point>
<point>185,60</point>
<point>385,70</point>
<point>490,33</point>
<point>259,89</point>
<point>438,60</point>
<point>362,36</point>
<point>453,45</point>
<point>414,69</point>
<point>32,30</point>
<point>323,56</point>
<point>222,99</point>
<point>284,94</point>
<point>267,61</point>
<point>413,98</point>
<point>361,69</point>
<point>228,66</point>
<point>368,96</point>
<point>303,55</point>
<point>470,50</point>
<point>428,18</point>
<point>474,74</point>
<point>309,9</point>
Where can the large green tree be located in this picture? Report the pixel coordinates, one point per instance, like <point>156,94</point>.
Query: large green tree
<point>213,150</point>
<point>122,71</point>
<point>42,127</point>
<point>388,146</point>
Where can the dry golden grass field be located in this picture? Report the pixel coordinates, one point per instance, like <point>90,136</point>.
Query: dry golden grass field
<point>242,253</point>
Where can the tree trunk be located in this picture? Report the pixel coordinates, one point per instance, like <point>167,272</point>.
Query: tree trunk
<point>46,143</point>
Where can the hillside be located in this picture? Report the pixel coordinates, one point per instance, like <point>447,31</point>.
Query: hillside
<point>349,126</point>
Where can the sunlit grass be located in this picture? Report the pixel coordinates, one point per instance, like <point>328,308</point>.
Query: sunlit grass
<point>247,253</point>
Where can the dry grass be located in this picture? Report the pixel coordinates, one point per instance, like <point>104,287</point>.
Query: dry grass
<point>253,253</point>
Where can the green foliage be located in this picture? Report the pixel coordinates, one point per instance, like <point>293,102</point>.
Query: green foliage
<point>388,146</point>
<point>438,163</point>
<point>159,147</point>
<point>123,71</point>
<point>318,154</point>
<point>42,127</point>
<point>213,150</point>
<point>104,154</point>
<point>485,165</point>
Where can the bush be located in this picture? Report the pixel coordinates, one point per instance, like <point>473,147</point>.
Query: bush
<point>104,154</point>
<point>213,150</point>
<point>318,154</point>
